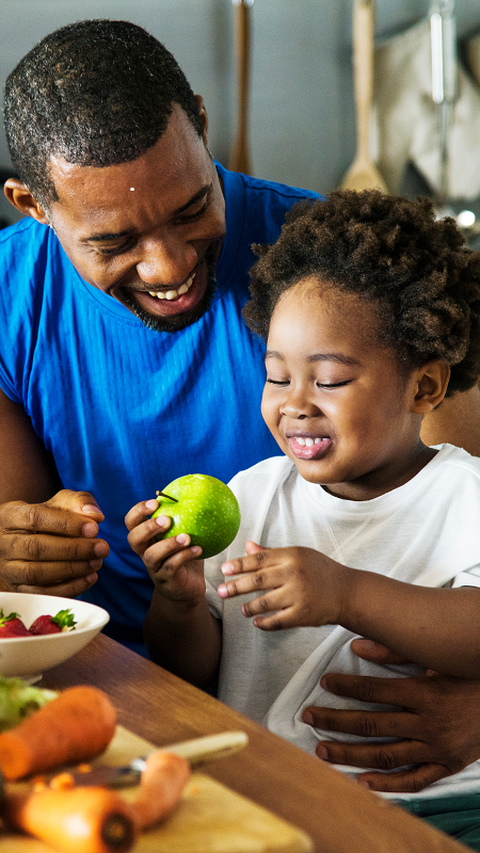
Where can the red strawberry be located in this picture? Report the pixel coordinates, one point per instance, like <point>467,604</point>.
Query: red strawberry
<point>12,626</point>
<point>53,624</point>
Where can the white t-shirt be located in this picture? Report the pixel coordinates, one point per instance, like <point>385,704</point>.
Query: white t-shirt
<point>425,532</point>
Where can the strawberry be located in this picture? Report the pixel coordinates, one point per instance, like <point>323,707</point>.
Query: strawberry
<point>12,626</point>
<point>53,624</point>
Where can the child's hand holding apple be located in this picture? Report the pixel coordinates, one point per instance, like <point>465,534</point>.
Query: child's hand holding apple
<point>195,516</point>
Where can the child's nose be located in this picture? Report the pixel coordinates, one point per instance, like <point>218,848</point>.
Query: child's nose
<point>297,405</point>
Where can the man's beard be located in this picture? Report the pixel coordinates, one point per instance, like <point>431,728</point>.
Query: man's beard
<point>176,322</point>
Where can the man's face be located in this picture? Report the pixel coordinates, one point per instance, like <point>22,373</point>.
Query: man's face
<point>148,232</point>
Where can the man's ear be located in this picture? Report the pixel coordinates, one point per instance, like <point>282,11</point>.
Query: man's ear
<point>20,196</point>
<point>431,386</point>
<point>203,116</point>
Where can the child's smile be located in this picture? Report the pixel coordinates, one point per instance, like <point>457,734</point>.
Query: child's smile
<point>335,399</point>
<point>306,445</point>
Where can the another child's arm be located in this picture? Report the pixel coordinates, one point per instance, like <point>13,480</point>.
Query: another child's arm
<point>180,632</point>
<point>437,628</point>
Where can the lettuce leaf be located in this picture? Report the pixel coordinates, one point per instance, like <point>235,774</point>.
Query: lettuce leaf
<point>18,700</point>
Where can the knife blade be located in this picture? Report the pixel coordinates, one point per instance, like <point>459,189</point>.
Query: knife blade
<point>198,752</point>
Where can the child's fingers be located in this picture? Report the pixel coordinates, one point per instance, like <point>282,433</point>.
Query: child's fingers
<point>141,536</point>
<point>249,582</point>
<point>169,554</point>
<point>138,513</point>
<point>255,560</point>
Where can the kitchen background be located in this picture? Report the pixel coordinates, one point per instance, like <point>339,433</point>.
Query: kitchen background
<point>301,109</point>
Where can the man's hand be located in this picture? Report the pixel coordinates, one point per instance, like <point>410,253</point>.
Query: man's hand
<point>51,548</point>
<point>437,724</point>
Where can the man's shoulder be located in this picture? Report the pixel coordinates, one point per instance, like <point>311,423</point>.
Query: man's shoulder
<point>264,188</point>
<point>22,243</point>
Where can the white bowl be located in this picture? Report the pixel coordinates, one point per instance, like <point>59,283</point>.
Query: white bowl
<point>29,657</point>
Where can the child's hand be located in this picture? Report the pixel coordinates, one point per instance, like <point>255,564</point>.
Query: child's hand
<point>304,586</point>
<point>170,563</point>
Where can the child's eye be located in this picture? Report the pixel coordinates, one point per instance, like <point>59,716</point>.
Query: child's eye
<point>277,381</point>
<point>333,384</point>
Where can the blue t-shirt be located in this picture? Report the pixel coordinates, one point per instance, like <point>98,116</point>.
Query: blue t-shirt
<point>123,409</point>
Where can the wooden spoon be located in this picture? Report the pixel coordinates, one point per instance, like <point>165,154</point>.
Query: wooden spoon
<point>363,173</point>
<point>240,156</point>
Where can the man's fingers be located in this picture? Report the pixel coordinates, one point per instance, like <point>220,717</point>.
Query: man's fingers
<point>79,502</point>
<point>405,781</point>
<point>396,724</point>
<point>47,518</point>
<point>368,650</point>
<point>366,688</point>
<point>41,548</point>
<point>67,589</point>
<point>34,577</point>
<point>381,756</point>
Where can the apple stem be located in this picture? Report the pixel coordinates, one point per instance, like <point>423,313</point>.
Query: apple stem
<point>163,495</point>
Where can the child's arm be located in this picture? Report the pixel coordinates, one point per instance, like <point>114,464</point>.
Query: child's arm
<point>437,628</point>
<point>180,632</point>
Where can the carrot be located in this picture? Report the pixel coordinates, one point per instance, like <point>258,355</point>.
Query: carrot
<point>161,787</point>
<point>80,820</point>
<point>76,725</point>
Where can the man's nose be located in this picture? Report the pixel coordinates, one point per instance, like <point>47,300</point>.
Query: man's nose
<point>166,262</point>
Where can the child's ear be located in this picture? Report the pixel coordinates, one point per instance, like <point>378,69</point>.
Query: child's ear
<point>431,386</point>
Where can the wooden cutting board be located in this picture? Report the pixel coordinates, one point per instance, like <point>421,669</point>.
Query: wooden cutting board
<point>210,818</point>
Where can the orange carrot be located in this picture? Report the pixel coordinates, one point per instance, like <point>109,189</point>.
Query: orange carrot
<point>80,820</point>
<point>76,725</point>
<point>161,787</point>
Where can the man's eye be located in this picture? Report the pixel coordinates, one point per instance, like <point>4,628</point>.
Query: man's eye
<point>191,217</point>
<point>115,250</point>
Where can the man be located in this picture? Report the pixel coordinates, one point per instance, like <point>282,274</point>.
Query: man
<point>124,362</point>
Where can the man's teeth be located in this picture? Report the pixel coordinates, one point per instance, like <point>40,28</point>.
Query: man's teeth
<point>307,442</point>
<point>173,294</point>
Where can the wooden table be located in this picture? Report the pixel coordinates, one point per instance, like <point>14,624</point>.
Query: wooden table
<point>338,814</point>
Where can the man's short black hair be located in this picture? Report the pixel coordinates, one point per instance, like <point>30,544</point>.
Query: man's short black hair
<point>97,93</point>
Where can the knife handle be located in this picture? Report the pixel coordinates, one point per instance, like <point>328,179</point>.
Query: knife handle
<point>203,749</point>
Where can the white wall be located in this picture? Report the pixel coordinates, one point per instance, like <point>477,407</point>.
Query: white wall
<point>302,118</point>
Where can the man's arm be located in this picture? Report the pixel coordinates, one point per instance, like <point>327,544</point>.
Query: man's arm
<point>27,472</point>
<point>436,725</point>
<point>48,538</point>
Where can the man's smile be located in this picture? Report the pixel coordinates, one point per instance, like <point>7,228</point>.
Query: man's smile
<point>173,294</point>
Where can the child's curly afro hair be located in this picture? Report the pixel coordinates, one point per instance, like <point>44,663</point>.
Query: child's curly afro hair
<point>395,253</point>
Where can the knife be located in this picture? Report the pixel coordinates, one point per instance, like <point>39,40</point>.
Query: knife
<point>198,752</point>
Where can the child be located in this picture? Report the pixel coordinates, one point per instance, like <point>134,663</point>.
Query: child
<point>371,312</point>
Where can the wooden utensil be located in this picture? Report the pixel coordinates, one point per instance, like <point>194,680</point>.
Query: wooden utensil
<point>363,174</point>
<point>240,154</point>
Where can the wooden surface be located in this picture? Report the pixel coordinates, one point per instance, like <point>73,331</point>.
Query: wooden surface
<point>211,818</point>
<point>339,815</point>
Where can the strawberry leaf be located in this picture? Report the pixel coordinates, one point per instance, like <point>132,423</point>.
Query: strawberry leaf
<point>64,619</point>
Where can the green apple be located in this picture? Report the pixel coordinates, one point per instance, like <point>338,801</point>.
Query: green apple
<point>203,507</point>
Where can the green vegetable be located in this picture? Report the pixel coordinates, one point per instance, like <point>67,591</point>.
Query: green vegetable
<point>18,700</point>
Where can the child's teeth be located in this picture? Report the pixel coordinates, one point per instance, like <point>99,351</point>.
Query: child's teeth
<point>308,442</point>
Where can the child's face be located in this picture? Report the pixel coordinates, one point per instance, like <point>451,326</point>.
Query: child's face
<point>334,399</point>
